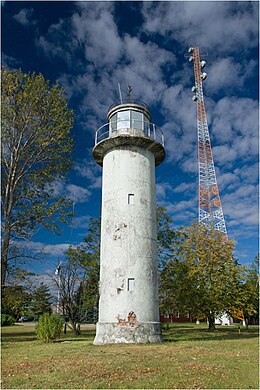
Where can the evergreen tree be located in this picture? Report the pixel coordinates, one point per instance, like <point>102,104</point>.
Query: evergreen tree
<point>41,300</point>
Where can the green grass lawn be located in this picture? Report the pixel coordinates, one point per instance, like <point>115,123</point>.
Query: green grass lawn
<point>190,358</point>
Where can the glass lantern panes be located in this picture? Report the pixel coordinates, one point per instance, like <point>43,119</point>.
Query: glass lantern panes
<point>129,119</point>
<point>137,120</point>
<point>146,127</point>
<point>113,123</point>
<point>123,120</point>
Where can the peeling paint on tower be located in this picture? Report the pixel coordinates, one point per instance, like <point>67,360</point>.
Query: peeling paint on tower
<point>128,147</point>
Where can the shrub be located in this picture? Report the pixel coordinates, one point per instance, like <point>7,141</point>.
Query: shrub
<point>7,320</point>
<point>49,327</point>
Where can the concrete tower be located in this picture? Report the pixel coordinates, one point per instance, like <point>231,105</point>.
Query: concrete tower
<point>128,147</point>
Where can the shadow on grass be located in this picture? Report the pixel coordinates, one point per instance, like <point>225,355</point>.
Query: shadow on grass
<point>194,334</point>
<point>18,336</point>
<point>85,335</point>
<point>175,333</point>
<point>11,336</point>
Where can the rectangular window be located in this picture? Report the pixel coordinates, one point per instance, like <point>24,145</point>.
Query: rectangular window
<point>123,120</point>
<point>113,123</point>
<point>130,284</point>
<point>137,120</point>
<point>130,198</point>
<point>146,127</point>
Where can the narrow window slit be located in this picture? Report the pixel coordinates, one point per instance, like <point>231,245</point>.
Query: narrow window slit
<point>130,198</point>
<point>130,284</point>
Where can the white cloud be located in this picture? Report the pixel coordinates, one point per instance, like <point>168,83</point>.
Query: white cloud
<point>24,17</point>
<point>44,249</point>
<point>184,211</point>
<point>144,68</point>
<point>235,131</point>
<point>96,30</point>
<point>81,222</point>
<point>56,43</point>
<point>223,154</point>
<point>77,194</point>
<point>161,189</point>
<point>248,173</point>
<point>88,169</point>
<point>183,187</point>
<point>178,106</point>
<point>227,181</point>
<point>10,62</point>
<point>232,114</point>
<point>143,71</point>
<point>165,190</point>
<point>189,164</point>
<point>109,58</point>
<point>228,74</point>
<point>180,127</point>
<point>219,25</point>
<point>72,192</point>
<point>240,206</point>
<point>224,73</point>
<point>185,205</point>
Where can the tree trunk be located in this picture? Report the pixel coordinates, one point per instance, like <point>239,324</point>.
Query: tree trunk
<point>211,320</point>
<point>7,212</point>
<point>4,254</point>
<point>75,327</point>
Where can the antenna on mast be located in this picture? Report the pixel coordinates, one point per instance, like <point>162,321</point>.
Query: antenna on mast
<point>120,94</point>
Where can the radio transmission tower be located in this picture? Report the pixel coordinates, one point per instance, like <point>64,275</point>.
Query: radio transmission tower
<point>210,209</point>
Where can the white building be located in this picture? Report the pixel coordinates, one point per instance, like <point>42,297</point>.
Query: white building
<point>128,147</point>
<point>224,319</point>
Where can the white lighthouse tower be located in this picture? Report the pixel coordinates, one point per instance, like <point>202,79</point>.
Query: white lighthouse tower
<point>128,147</point>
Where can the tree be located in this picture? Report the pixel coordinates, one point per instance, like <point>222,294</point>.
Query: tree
<point>165,235</point>
<point>25,296</point>
<point>68,282</point>
<point>15,302</point>
<point>175,286</point>
<point>36,151</point>
<point>78,278</point>
<point>203,275</point>
<point>41,299</point>
<point>250,292</point>
<point>17,297</point>
<point>86,257</point>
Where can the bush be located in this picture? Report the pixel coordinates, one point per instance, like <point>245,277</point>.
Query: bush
<point>49,327</point>
<point>7,320</point>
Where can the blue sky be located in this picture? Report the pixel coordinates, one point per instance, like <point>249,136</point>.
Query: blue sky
<point>91,46</point>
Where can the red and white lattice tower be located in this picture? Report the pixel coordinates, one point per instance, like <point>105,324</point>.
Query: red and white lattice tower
<point>210,209</point>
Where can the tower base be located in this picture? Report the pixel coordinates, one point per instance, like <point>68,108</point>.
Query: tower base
<point>141,332</point>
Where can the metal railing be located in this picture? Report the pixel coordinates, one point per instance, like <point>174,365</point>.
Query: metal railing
<point>146,129</point>
<point>128,100</point>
